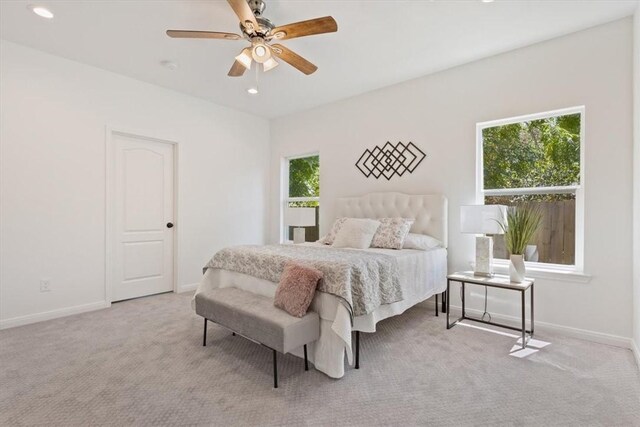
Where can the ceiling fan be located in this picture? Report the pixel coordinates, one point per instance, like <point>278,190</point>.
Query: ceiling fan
<point>260,32</point>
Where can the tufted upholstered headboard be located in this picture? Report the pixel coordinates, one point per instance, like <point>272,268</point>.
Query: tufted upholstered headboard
<point>429,211</point>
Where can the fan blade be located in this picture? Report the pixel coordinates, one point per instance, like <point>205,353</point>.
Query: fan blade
<point>245,14</point>
<point>186,34</point>
<point>306,28</point>
<point>237,69</point>
<point>293,59</point>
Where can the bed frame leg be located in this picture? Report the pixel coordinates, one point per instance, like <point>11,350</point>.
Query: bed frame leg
<point>357,349</point>
<point>204,337</point>
<point>306,361</point>
<point>275,369</point>
<point>437,305</point>
<point>444,302</point>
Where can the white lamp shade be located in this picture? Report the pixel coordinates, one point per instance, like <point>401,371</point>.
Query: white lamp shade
<point>482,219</point>
<point>300,217</point>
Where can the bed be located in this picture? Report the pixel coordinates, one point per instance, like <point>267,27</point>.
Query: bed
<point>422,274</point>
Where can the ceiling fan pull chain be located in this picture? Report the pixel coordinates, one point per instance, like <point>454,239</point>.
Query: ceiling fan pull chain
<point>257,76</point>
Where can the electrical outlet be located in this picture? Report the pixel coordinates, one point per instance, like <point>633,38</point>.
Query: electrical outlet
<point>45,285</point>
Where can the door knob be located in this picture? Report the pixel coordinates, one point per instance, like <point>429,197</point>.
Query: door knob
<point>169,225</point>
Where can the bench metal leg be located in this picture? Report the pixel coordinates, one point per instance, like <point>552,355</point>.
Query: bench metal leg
<point>204,337</point>
<point>437,305</point>
<point>275,369</point>
<point>357,349</point>
<point>306,362</point>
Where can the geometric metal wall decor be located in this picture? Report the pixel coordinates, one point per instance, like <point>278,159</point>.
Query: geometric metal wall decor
<point>390,160</point>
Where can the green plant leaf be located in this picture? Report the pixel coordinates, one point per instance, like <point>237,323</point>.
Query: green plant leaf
<point>523,221</point>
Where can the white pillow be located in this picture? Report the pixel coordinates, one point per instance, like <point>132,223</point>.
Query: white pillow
<point>356,233</point>
<point>421,241</point>
<point>337,225</point>
<point>391,233</point>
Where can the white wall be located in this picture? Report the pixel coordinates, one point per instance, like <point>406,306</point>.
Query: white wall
<point>439,113</point>
<point>636,185</point>
<point>53,117</point>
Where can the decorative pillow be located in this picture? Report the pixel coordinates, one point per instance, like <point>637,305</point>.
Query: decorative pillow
<point>421,241</point>
<point>356,233</point>
<point>391,233</point>
<point>337,225</point>
<point>296,288</point>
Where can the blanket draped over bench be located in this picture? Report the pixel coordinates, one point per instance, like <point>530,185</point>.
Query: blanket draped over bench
<point>362,280</point>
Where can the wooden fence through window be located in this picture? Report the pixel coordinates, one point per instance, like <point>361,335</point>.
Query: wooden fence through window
<point>556,238</point>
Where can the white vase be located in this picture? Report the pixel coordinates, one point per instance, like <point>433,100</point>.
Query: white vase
<point>517,269</point>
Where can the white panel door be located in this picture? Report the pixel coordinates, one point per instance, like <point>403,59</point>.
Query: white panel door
<point>143,217</point>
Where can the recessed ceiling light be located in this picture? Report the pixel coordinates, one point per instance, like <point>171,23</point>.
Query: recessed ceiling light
<point>253,90</point>
<point>169,65</point>
<point>487,1</point>
<point>41,11</point>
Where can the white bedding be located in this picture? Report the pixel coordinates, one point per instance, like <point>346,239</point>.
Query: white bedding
<point>422,275</point>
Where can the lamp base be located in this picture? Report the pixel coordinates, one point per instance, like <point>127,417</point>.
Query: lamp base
<point>484,256</point>
<point>298,235</point>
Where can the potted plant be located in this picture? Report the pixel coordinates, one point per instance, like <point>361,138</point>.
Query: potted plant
<point>522,224</point>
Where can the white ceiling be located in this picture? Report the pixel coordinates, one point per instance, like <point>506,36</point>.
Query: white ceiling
<point>379,42</point>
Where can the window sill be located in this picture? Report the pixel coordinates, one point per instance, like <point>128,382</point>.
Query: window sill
<point>564,274</point>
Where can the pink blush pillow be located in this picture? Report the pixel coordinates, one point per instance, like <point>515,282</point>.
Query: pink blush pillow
<point>296,288</point>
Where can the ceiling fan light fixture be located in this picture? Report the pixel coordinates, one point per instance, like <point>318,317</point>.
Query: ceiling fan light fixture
<point>260,52</point>
<point>245,59</point>
<point>269,64</point>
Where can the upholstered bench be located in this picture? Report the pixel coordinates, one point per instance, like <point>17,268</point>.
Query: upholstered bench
<point>254,317</point>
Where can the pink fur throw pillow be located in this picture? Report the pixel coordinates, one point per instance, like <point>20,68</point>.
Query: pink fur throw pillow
<point>296,288</point>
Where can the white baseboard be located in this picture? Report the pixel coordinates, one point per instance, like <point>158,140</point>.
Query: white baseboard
<point>598,337</point>
<point>68,311</point>
<point>635,348</point>
<point>188,288</point>
<point>53,314</point>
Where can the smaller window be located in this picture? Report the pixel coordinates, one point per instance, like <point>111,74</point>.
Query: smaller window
<point>302,190</point>
<point>537,160</point>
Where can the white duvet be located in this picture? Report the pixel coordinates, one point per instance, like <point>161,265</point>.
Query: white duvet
<point>422,275</point>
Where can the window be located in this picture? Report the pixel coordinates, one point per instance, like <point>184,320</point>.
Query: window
<point>537,160</point>
<point>302,190</point>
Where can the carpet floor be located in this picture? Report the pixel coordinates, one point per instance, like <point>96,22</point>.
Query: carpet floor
<point>142,362</point>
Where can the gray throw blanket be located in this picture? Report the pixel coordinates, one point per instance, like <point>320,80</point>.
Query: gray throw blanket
<point>362,280</point>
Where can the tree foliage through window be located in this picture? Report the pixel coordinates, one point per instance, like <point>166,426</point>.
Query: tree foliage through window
<point>304,179</point>
<point>536,153</point>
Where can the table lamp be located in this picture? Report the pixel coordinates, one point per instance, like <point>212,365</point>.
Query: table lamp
<point>298,218</point>
<point>483,219</point>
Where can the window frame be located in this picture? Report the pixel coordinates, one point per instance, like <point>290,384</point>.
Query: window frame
<point>284,191</point>
<point>578,190</point>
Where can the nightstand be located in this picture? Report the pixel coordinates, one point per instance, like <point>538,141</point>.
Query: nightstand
<point>496,281</point>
